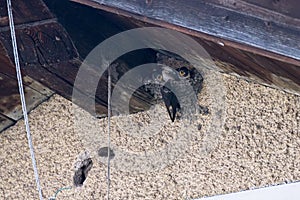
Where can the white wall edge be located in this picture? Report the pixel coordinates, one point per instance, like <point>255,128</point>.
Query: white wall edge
<point>280,192</point>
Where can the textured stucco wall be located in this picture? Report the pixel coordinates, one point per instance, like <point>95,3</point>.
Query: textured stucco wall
<point>258,146</point>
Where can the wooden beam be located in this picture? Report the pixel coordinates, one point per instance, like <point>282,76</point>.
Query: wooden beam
<point>212,22</point>
<point>264,51</point>
<point>5,122</point>
<point>7,68</point>
<point>43,44</point>
<point>60,77</point>
<point>47,54</point>
<point>44,47</point>
<point>282,12</point>
<point>24,12</point>
<point>10,104</point>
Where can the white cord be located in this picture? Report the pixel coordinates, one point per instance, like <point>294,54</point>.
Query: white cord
<point>108,130</point>
<point>20,84</point>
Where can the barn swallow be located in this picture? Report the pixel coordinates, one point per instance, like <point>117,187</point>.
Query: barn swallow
<point>169,98</point>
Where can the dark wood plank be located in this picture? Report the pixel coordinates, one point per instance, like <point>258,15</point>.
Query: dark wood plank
<point>254,65</point>
<point>7,68</point>
<point>68,72</point>
<point>44,46</point>
<point>24,12</point>
<point>9,94</point>
<point>47,55</point>
<point>5,122</point>
<point>286,7</point>
<point>60,78</point>
<point>283,12</point>
<point>214,23</point>
<point>10,104</point>
<point>28,81</point>
<point>6,65</point>
<point>86,26</point>
<point>41,45</point>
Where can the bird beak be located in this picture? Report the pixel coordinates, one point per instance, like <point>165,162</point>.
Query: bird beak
<point>172,113</point>
<point>171,102</point>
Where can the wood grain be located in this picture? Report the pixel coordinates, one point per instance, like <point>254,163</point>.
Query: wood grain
<point>10,104</point>
<point>41,45</point>
<point>246,60</point>
<point>24,12</point>
<point>286,7</point>
<point>214,23</point>
<point>5,122</point>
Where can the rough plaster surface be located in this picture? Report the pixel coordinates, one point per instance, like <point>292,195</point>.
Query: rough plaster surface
<point>258,146</point>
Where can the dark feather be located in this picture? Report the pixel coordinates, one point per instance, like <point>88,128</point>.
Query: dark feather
<point>171,102</point>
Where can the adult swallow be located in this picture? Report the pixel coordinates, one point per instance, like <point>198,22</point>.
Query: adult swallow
<point>168,75</point>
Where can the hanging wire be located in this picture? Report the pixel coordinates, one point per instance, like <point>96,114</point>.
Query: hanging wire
<point>108,130</point>
<point>58,191</point>
<point>22,96</point>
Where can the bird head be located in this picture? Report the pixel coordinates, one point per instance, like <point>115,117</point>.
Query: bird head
<point>169,74</point>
